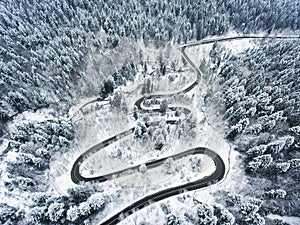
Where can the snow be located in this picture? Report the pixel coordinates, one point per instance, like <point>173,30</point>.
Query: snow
<point>101,65</point>
<point>3,145</point>
<point>93,128</point>
<point>235,181</point>
<point>38,116</point>
<point>292,220</point>
<point>11,156</point>
<point>86,48</point>
<point>200,53</point>
<point>138,185</point>
<point>155,176</point>
<point>209,134</point>
<point>61,184</point>
<point>151,53</point>
<point>206,137</point>
<point>182,80</point>
<point>129,187</point>
<point>16,198</point>
<point>28,116</point>
<point>84,102</point>
<point>238,46</point>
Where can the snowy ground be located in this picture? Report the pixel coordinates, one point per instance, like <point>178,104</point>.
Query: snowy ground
<point>3,145</point>
<point>22,118</point>
<point>39,115</point>
<point>201,53</point>
<point>288,219</point>
<point>96,126</point>
<point>132,91</point>
<point>209,134</point>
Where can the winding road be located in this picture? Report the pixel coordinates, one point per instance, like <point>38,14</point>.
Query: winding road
<point>215,177</point>
<point>75,174</point>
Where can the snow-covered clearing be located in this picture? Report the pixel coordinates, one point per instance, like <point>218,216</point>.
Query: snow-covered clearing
<point>200,53</point>
<point>103,123</point>
<point>3,145</point>
<point>39,115</point>
<point>292,220</point>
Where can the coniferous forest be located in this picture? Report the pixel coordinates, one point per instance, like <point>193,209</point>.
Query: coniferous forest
<point>57,55</point>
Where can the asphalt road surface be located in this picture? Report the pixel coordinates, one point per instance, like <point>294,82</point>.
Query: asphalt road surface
<point>204,182</point>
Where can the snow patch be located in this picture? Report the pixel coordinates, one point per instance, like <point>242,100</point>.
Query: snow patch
<point>292,220</point>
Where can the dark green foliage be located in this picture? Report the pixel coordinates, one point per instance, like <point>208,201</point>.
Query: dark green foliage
<point>233,200</point>
<point>42,45</point>
<point>38,214</point>
<point>280,222</point>
<point>224,216</point>
<point>205,215</point>
<point>35,143</point>
<point>278,193</point>
<point>135,112</point>
<point>64,209</point>
<point>43,56</point>
<point>159,135</point>
<point>262,114</point>
<point>120,77</point>
<point>8,213</point>
<point>173,220</point>
<point>117,101</point>
<point>140,130</point>
<point>79,194</point>
<point>249,212</point>
<point>109,85</point>
<point>163,106</point>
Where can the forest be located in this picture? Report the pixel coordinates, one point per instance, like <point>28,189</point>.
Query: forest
<point>45,52</point>
<point>262,114</point>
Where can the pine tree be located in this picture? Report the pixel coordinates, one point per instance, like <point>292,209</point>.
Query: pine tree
<point>56,211</point>
<point>73,213</point>
<point>84,209</point>
<point>163,106</point>
<point>256,151</point>
<point>281,167</point>
<point>276,193</point>
<point>109,85</point>
<point>143,168</point>
<point>159,141</point>
<point>172,220</point>
<point>38,214</point>
<point>224,216</point>
<point>259,162</point>
<point>233,200</point>
<point>8,214</point>
<point>205,215</point>
<point>294,163</point>
<point>135,113</point>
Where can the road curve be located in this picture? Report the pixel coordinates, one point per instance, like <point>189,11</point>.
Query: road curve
<point>75,174</point>
<point>222,39</point>
<point>196,70</point>
<point>204,182</point>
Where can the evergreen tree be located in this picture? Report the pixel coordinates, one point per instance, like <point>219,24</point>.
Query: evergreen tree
<point>56,211</point>
<point>135,113</point>
<point>8,214</point>
<point>224,216</point>
<point>163,106</point>
<point>172,220</point>
<point>109,85</point>
<point>73,213</point>
<point>205,215</point>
